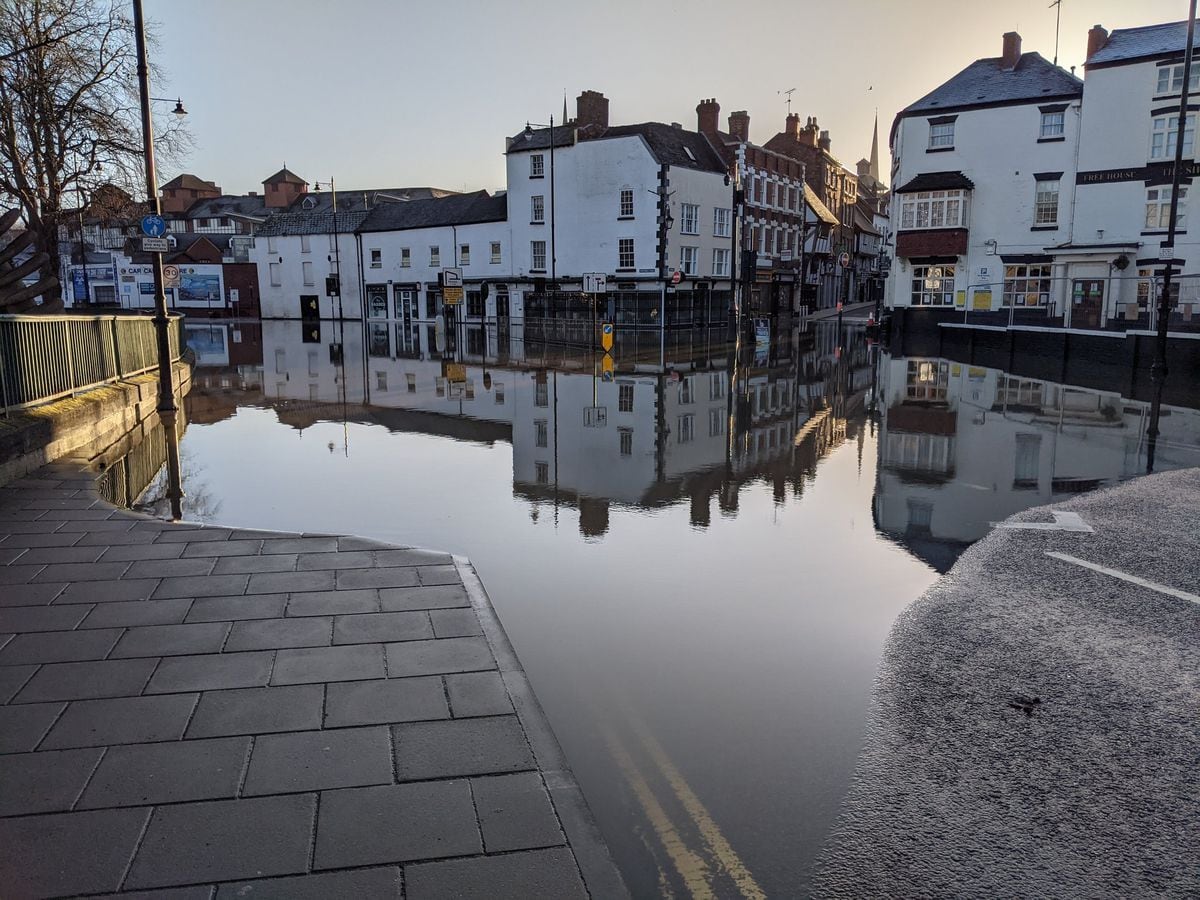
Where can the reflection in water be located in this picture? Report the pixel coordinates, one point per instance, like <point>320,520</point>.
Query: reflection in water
<point>677,538</point>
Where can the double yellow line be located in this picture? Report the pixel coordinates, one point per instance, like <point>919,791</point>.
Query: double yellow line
<point>691,866</point>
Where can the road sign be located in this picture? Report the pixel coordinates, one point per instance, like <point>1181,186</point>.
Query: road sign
<point>452,296</point>
<point>676,276</point>
<point>456,373</point>
<point>606,336</point>
<point>606,368</point>
<point>155,245</point>
<point>452,278</point>
<point>595,416</point>
<point>595,283</point>
<point>844,260</point>
<point>153,226</point>
<point>1166,252</point>
<point>171,276</point>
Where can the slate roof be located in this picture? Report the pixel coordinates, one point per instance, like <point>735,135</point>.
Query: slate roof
<point>985,83</point>
<point>667,143</point>
<point>245,207</point>
<point>937,181</point>
<point>814,202</point>
<point>285,175</point>
<point>457,209</point>
<point>352,200</point>
<point>292,222</point>
<point>1130,44</point>
<point>189,182</point>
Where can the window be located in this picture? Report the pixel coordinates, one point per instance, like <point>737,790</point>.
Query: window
<point>687,428</point>
<point>305,244</point>
<point>541,395</point>
<point>1027,285</point>
<point>933,285</point>
<point>626,437</point>
<point>537,165</point>
<point>933,209</point>
<point>1053,124</point>
<point>495,251</point>
<point>435,256</point>
<point>308,272</point>
<point>758,189</point>
<point>381,381</point>
<point>769,243</point>
<point>716,386</point>
<point>541,433</point>
<point>410,379</point>
<point>721,219</point>
<point>927,380</point>
<point>1164,133</point>
<point>716,421</point>
<point>498,392</point>
<point>376,259</point>
<point>625,398</point>
<point>1045,205</point>
<point>272,247</point>
<point>920,517</point>
<point>537,208</point>
<point>1170,79</point>
<point>464,255</point>
<point>720,263</point>
<point>625,256</point>
<point>689,218</point>
<point>1025,465</point>
<point>770,193</point>
<point>475,304</point>
<point>688,257</point>
<point>686,392</point>
<point>626,203</point>
<point>405,258</point>
<point>941,134</point>
<point>275,279</point>
<point>537,256</point>
<point>1158,208</point>
<point>541,472</point>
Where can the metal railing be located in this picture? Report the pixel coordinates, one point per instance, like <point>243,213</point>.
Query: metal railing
<point>45,358</point>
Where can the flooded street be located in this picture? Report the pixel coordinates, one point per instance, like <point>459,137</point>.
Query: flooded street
<point>698,556</point>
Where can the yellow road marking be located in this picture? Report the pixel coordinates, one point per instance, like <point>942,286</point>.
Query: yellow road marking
<point>691,868</point>
<point>725,854</point>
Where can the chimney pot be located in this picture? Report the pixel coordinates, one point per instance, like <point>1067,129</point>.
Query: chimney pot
<point>708,113</point>
<point>1097,38</point>
<point>824,142</point>
<point>739,125</point>
<point>793,125</point>
<point>1011,54</point>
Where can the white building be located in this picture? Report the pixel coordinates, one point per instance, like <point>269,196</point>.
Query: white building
<point>637,203</point>
<point>983,168</point>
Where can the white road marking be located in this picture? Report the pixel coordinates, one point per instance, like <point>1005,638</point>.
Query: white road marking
<point>1063,521</point>
<point>1125,576</point>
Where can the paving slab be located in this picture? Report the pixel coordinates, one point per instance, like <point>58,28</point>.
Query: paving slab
<point>196,711</point>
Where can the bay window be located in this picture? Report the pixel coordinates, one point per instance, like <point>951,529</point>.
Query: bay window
<point>933,209</point>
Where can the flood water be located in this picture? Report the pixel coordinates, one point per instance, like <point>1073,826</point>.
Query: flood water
<point>697,551</point>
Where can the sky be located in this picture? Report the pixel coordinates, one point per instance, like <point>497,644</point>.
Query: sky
<point>378,93</point>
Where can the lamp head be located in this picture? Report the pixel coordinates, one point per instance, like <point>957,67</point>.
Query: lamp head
<point>179,111</point>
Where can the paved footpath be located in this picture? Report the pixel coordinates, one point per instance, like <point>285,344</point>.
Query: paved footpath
<point>237,713</point>
<point>1036,726</point>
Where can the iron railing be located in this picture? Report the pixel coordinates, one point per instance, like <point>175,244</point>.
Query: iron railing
<point>45,358</point>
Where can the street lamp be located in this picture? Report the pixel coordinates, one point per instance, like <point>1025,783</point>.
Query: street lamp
<point>167,410</point>
<point>529,126</point>
<point>178,112</point>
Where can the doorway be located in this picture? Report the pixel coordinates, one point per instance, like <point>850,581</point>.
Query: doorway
<point>1087,302</point>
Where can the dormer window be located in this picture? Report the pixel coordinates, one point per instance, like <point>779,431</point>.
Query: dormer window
<point>309,203</point>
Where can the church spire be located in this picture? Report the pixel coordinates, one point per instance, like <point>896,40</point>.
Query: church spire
<point>874,170</point>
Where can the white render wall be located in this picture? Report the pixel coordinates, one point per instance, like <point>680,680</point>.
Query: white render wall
<point>282,301</point>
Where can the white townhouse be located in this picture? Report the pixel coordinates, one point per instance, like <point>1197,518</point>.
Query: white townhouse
<point>403,248</point>
<point>1122,200</point>
<point>983,169</point>
<point>637,203</point>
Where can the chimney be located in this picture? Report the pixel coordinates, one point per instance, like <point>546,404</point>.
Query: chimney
<point>739,125</point>
<point>1012,51</point>
<point>1097,38</point>
<point>864,168</point>
<point>252,193</point>
<point>708,117</point>
<point>824,141</point>
<point>792,128</point>
<point>809,136</point>
<point>591,108</point>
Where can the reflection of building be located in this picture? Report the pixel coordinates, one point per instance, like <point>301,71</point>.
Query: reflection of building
<point>964,446</point>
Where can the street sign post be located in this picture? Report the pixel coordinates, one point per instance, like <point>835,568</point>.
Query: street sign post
<point>171,276</point>
<point>153,226</point>
<point>676,277</point>
<point>155,245</point>
<point>595,283</point>
<point>452,296</point>
<point>452,277</point>
<point>606,336</point>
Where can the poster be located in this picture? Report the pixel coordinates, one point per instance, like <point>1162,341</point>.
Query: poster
<point>197,288</point>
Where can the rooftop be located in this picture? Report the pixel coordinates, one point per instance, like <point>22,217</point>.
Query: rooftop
<point>986,83</point>
<point>668,145</point>
<point>456,209</point>
<point>1130,44</point>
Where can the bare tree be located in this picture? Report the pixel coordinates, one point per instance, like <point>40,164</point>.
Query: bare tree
<point>69,117</point>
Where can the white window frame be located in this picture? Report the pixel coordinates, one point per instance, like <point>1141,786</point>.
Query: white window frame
<point>922,209</point>
<point>1170,80</point>
<point>276,278</point>
<point>689,260</point>
<point>306,269</point>
<point>625,206</point>
<point>376,258</point>
<point>537,252</point>
<point>720,262</point>
<point>405,257</point>
<point>1053,124</point>
<point>626,254</point>
<point>941,135</point>
<point>464,254</point>
<point>496,250</point>
<point>537,209</point>
<point>933,285</point>
<point>722,222</point>
<point>272,246</point>
<point>305,244</point>
<point>1164,131</point>
<point>1158,208</point>
<point>537,165</point>
<point>1027,285</point>
<point>1045,201</point>
<point>689,218</point>
<point>435,256</point>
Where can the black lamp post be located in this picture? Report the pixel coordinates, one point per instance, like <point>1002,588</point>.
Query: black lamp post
<point>167,410</point>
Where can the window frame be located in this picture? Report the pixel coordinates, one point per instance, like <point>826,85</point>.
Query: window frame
<point>922,280</point>
<point>1048,119</point>
<point>625,207</point>
<point>1045,212</point>
<point>941,135</point>
<point>1164,132</point>
<point>496,251</point>
<point>689,218</point>
<point>941,209</point>
<point>537,165</point>
<point>435,256</point>
<point>722,222</point>
<point>405,257</point>
<point>626,255</point>
<point>1025,280</point>
<point>464,254</point>
<point>1161,202</point>
<point>720,254</point>
<point>537,209</point>
<point>536,251</point>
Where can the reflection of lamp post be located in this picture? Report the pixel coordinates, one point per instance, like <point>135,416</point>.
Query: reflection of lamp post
<point>167,409</point>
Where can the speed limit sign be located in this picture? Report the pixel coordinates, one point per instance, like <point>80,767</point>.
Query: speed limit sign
<point>171,276</point>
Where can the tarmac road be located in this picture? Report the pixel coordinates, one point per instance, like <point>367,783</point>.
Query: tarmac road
<point>1036,725</point>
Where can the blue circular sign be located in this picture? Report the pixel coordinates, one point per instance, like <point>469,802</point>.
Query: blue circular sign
<point>153,226</point>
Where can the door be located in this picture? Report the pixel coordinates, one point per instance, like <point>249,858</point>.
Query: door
<point>1087,302</point>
